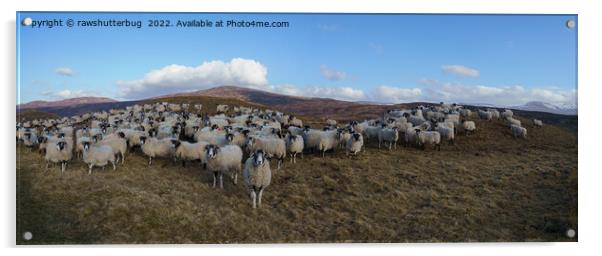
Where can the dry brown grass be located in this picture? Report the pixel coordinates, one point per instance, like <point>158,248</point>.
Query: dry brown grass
<point>487,187</point>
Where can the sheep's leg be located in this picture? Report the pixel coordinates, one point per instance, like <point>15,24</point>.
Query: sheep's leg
<point>279,162</point>
<point>47,164</point>
<point>260,194</point>
<point>438,147</point>
<point>150,160</point>
<point>253,198</point>
<point>90,169</point>
<point>214,178</point>
<point>378,143</point>
<point>221,180</point>
<point>62,167</point>
<point>235,178</point>
<point>122,157</point>
<point>114,167</point>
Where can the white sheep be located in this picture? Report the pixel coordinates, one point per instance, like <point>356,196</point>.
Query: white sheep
<point>506,114</point>
<point>537,122</point>
<point>59,152</point>
<point>328,141</point>
<point>153,147</point>
<point>222,108</point>
<point>294,146</point>
<point>190,151</point>
<point>468,126</point>
<point>390,135</point>
<point>117,142</point>
<point>429,138</point>
<point>273,147</point>
<point>257,175</point>
<point>518,131</point>
<point>485,115</point>
<point>447,133</point>
<point>223,159</point>
<point>354,144</point>
<point>331,122</point>
<point>97,155</point>
<point>513,121</point>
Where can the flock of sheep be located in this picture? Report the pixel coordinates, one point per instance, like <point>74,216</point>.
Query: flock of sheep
<point>220,142</point>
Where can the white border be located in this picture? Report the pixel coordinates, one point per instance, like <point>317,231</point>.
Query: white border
<point>589,92</point>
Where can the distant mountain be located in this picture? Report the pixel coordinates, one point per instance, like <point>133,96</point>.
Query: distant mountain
<point>548,108</point>
<point>65,103</point>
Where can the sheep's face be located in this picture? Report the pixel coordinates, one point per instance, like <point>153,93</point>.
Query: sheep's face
<point>212,151</point>
<point>60,145</point>
<point>357,136</point>
<point>142,140</point>
<point>258,158</point>
<point>230,137</point>
<point>250,141</point>
<point>175,143</point>
<point>61,135</point>
<point>86,145</point>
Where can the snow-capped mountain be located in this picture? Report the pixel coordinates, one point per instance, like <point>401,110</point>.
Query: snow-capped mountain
<point>562,109</point>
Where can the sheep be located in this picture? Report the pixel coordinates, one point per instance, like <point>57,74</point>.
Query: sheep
<point>518,131</point>
<point>331,122</point>
<point>117,142</point>
<point>485,115</point>
<point>465,113</point>
<point>153,147</point>
<point>294,121</point>
<point>273,147</point>
<point>343,136</point>
<point>222,108</point>
<point>390,135</point>
<point>59,152</point>
<point>223,159</point>
<point>257,175</point>
<point>328,140</point>
<point>372,131</point>
<point>79,145</point>
<point>354,144</point>
<point>294,146</point>
<point>537,122</point>
<point>513,121</point>
<point>506,114</point>
<point>30,140</point>
<point>429,137</point>
<point>468,126</point>
<point>97,155</point>
<point>447,133</point>
<point>311,138</point>
<point>190,151</point>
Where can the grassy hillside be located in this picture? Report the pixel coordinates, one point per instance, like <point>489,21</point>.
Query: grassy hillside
<point>28,115</point>
<point>487,187</point>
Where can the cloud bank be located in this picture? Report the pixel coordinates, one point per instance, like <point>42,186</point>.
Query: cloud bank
<point>252,74</point>
<point>178,78</point>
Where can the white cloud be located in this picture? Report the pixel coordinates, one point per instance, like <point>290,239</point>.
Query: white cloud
<point>332,74</point>
<point>390,94</point>
<point>339,93</point>
<point>178,78</point>
<point>68,94</point>
<point>508,95</point>
<point>460,70</point>
<point>64,71</point>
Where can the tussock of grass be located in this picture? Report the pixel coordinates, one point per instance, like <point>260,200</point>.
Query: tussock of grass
<point>486,187</point>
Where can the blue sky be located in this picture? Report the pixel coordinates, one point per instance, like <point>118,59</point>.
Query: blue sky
<point>494,59</point>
